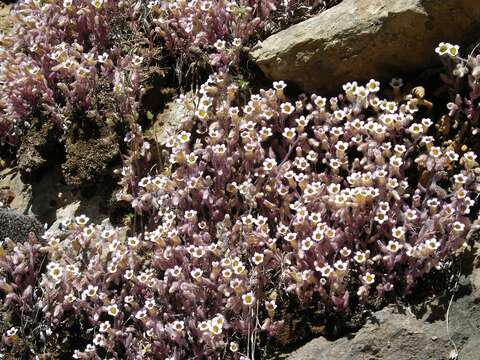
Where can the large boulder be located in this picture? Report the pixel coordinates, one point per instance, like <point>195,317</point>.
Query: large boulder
<point>361,39</point>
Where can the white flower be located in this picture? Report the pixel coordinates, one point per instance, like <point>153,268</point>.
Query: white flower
<point>326,270</point>
<point>196,273</point>
<point>56,272</point>
<point>368,278</point>
<point>453,50</point>
<point>99,340</point>
<point>104,327</point>
<point>341,265</point>
<point>381,217</point>
<point>97,3</point>
<point>137,60</point>
<point>432,244</point>
<point>248,298</point>
<point>178,325</point>
<point>373,86</point>
<point>269,164</point>
<point>113,310</point>
<point>458,226</point>
<point>91,291</point>
<point>287,108</point>
<point>460,70</point>
<point>184,137</point>
<point>82,220</point>
<point>393,246</point>
<point>233,347</point>
<point>398,232</point>
<point>307,244</point>
<point>345,252</point>
<point>360,257</point>
<point>279,85</point>
<point>12,331</point>
<point>219,45</point>
<point>141,314</point>
<point>289,133</point>
<point>442,48</point>
<point>257,258</point>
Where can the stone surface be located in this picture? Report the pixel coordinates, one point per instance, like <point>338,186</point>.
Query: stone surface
<point>17,226</point>
<point>38,147</point>
<point>417,332</point>
<point>16,194</point>
<point>166,123</point>
<point>361,39</point>
<point>87,161</point>
<point>6,20</point>
<point>50,200</point>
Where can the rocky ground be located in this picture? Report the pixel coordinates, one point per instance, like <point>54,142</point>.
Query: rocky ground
<point>428,329</point>
<point>424,328</point>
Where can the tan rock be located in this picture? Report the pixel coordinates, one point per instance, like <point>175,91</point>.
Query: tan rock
<point>167,123</point>
<point>363,39</point>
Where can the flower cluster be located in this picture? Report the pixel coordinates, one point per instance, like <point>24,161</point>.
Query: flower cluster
<point>314,197</point>
<point>62,57</point>
<point>464,82</point>
<point>188,27</point>
<point>331,201</point>
<point>20,267</point>
<point>58,58</point>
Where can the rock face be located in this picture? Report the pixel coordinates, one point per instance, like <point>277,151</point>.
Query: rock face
<point>361,39</point>
<point>166,123</point>
<point>17,226</point>
<point>418,332</point>
<point>50,200</point>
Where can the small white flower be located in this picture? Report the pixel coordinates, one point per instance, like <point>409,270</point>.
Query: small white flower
<point>233,347</point>
<point>279,85</point>
<point>257,258</point>
<point>97,3</point>
<point>432,244</point>
<point>12,331</point>
<point>307,244</point>
<point>360,257</point>
<point>141,314</point>
<point>287,108</point>
<point>178,325</point>
<point>442,48</point>
<point>196,273</point>
<point>113,310</point>
<point>373,86</point>
<point>458,226</point>
<point>219,45</point>
<point>393,246</point>
<point>184,137</point>
<point>289,133</point>
<point>368,278</point>
<point>104,327</point>
<point>269,164</point>
<point>248,298</point>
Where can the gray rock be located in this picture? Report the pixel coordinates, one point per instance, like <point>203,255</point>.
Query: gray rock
<point>17,226</point>
<point>361,39</point>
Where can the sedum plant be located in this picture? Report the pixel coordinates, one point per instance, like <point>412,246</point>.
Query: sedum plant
<point>58,59</point>
<point>335,202</point>
<point>64,60</point>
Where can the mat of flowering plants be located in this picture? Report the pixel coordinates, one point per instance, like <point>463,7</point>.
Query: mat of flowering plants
<point>262,209</point>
